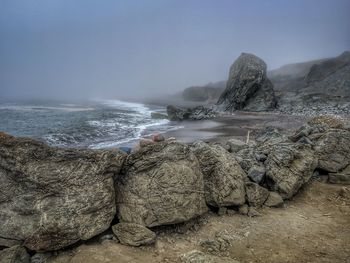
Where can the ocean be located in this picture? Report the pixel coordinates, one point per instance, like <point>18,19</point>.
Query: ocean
<point>95,124</point>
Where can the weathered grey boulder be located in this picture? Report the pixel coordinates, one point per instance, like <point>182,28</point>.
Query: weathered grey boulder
<point>50,197</point>
<point>256,195</point>
<point>134,234</point>
<point>257,173</point>
<point>274,200</point>
<point>288,167</point>
<point>160,184</point>
<point>223,176</point>
<point>330,138</point>
<point>332,149</point>
<point>15,254</point>
<point>248,87</point>
<point>196,113</point>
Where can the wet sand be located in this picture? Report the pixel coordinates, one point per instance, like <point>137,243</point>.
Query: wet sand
<point>234,126</point>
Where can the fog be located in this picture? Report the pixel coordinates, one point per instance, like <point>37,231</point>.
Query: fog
<point>83,49</point>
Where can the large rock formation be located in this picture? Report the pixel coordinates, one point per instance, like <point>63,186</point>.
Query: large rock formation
<point>248,87</point>
<point>51,198</point>
<point>160,184</point>
<point>223,176</point>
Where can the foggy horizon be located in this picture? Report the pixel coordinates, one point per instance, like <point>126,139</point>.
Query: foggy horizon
<point>77,50</point>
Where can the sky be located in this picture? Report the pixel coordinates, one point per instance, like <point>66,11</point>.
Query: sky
<point>85,49</point>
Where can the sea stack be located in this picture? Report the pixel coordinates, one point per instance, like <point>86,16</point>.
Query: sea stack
<point>248,87</point>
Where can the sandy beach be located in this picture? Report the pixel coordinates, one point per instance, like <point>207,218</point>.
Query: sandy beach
<point>236,126</point>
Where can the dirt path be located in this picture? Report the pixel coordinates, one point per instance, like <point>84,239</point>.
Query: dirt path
<point>313,227</point>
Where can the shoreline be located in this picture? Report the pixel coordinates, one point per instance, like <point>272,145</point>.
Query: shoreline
<point>236,126</point>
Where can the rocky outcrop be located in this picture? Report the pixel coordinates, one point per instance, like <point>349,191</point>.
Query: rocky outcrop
<point>331,76</point>
<point>15,254</point>
<point>332,149</point>
<point>256,195</point>
<point>288,167</point>
<point>160,184</point>
<point>51,198</point>
<point>248,87</point>
<point>196,113</point>
<point>223,176</point>
<point>133,234</point>
<point>330,138</point>
<point>314,88</point>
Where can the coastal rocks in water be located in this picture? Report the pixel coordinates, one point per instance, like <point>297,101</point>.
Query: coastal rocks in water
<point>288,167</point>
<point>133,234</point>
<point>196,113</point>
<point>248,87</point>
<point>223,176</point>
<point>256,195</point>
<point>274,200</point>
<point>15,254</point>
<point>161,184</point>
<point>52,197</point>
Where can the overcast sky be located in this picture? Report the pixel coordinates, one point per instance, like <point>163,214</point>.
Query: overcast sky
<point>99,48</point>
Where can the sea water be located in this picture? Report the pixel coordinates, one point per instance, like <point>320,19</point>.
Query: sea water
<point>95,124</point>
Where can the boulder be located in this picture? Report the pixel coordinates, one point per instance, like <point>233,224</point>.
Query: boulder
<point>196,113</point>
<point>257,173</point>
<point>332,149</point>
<point>248,87</point>
<point>160,184</point>
<point>223,176</point>
<point>53,197</point>
<point>15,254</point>
<point>274,200</point>
<point>133,234</point>
<point>288,167</point>
<point>256,195</point>
<point>330,138</point>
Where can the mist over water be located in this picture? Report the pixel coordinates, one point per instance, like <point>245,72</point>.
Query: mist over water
<point>78,50</point>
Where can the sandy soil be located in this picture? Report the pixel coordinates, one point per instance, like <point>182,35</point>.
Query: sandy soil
<point>313,227</point>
